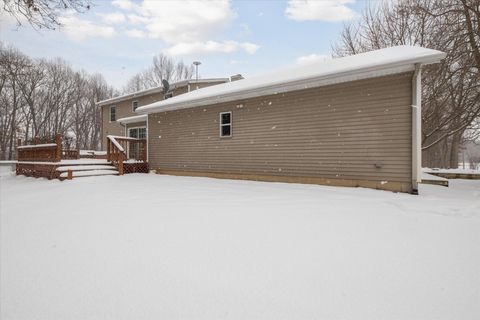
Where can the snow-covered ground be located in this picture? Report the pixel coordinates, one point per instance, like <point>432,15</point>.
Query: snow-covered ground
<point>160,247</point>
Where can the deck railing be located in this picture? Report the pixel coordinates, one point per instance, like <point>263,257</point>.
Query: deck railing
<point>45,149</point>
<point>127,154</point>
<point>49,151</point>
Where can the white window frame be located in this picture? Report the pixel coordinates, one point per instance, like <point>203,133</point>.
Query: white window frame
<point>221,125</point>
<point>110,114</point>
<point>140,127</point>
<point>133,108</point>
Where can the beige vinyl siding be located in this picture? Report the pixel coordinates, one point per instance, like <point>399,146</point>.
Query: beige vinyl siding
<point>339,131</point>
<point>124,109</point>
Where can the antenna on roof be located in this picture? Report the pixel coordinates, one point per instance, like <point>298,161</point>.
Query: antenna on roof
<point>196,64</point>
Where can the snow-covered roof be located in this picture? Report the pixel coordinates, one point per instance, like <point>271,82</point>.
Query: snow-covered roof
<point>145,92</point>
<point>361,66</point>
<point>133,119</point>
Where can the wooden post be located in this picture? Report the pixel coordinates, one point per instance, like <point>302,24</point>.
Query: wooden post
<point>121,157</point>
<point>69,174</point>
<point>108,150</point>
<point>58,141</point>
<point>19,143</point>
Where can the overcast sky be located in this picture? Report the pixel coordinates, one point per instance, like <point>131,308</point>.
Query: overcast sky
<point>118,38</point>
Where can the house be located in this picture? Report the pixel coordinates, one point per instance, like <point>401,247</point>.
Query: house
<point>118,114</point>
<point>351,121</point>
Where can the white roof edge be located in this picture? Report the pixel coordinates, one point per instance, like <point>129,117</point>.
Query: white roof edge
<point>129,95</point>
<point>144,92</point>
<point>133,119</point>
<point>362,66</point>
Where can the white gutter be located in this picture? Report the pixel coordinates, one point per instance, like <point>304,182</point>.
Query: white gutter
<point>132,119</point>
<point>416,127</point>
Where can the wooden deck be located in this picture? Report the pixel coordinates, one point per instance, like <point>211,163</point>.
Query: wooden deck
<point>428,178</point>
<point>47,159</point>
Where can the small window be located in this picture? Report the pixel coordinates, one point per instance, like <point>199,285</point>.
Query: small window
<point>113,114</point>
<point>225,124</point>
<point>134,105</point>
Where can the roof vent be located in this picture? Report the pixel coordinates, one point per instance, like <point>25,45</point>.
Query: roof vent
<point>236,77</point>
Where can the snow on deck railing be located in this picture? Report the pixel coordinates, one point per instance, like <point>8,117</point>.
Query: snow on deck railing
<point>31,146</point>
<point>113,139</point>
<point>125,138</point>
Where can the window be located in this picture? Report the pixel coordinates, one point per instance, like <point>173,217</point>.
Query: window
<point>138,133</point>
<point>142,133</point>
<point>226,124</point>
<point>134,105</point>
<point>113,114</point>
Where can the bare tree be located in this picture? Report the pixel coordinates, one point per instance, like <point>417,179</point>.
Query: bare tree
<point>45,97</point>
<point>42,13</point>
<point>163,67</point>
<point>451,100</point>
<point>13,66</point>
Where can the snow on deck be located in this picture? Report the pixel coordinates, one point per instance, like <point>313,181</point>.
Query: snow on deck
<point>162,247</point>
<point>44,145</point>
<point>457,170</point>
<point>427,176</point>
<point>90,173</point>
<point>87,167</point>
<point>69,162</point>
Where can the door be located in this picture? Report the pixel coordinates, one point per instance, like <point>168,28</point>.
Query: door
<point>135,152</point>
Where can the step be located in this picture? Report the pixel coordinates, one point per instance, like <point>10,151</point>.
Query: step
<point>89,173</point>
<point>86,167</point>
<point>83,162</point>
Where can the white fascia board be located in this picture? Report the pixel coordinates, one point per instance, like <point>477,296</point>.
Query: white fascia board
<point>129,96</point>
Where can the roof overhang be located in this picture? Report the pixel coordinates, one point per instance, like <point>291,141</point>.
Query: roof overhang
<point>159,89</point>
<point>134,119</point>
<point>356,69</point>
<point>129,96</point>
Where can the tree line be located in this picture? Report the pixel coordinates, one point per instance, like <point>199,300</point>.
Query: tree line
<point>40,97</point>
<point>43,97</point>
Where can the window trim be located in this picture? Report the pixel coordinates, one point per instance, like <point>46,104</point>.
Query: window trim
<point>133,109</point>
<point>138,128</point>
<point>110,114</point>
<point>221,125</point>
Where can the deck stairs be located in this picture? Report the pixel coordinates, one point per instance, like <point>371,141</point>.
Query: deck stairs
<point>90,169</point>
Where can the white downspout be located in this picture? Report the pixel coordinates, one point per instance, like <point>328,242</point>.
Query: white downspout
<point>148,140</point>
<point>416,127</point>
